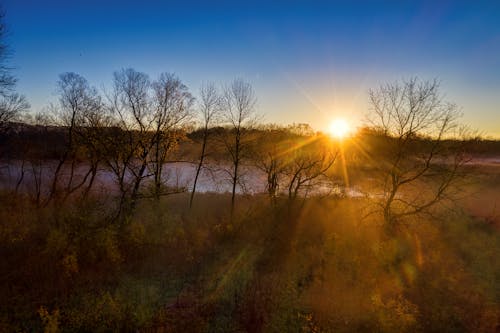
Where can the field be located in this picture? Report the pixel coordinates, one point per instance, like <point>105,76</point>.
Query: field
<point>318,263</point>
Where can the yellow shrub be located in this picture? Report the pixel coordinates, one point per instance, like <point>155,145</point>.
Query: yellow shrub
<point>50,320</point>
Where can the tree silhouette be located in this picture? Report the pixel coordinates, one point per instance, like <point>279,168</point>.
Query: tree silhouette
<point>11,103</point>
<point>416,124</point>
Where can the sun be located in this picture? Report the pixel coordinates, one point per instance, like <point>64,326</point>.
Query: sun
<point>339,128</point>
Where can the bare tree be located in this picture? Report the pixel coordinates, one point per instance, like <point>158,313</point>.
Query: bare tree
<point>131,108</point>
<point>93,124</point>
<point>415,122</point>
<point>10,107</point>
<point>118,149</point>
<point>11,103</point>
<point>270,155</point>
<point>295,163</point>
<point>32,154</point>
<point>238,112</point>
<point>172,103</point>
<point>78,101</point>
<point>148,124</point>
<point>306,167</point>
<point>208,108</point>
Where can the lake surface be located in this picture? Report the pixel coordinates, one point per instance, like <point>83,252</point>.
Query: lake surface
<point>181,175</point>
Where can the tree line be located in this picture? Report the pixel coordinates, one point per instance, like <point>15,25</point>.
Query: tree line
<point>135,130</point>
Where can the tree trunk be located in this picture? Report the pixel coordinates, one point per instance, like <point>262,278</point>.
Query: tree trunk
<point>200,165</point>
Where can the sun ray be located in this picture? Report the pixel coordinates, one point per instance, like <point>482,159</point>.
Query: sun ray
<point>344,166</point>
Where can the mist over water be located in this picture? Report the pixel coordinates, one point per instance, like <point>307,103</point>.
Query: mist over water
<point>212,179</point>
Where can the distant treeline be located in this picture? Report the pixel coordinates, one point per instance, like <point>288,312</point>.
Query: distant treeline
<point>135,130</point>
<point>22,140</point>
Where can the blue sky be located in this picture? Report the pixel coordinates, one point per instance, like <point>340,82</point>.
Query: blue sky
<point>309,61</point>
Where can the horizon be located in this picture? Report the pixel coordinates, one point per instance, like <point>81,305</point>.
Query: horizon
<point>307,63</point>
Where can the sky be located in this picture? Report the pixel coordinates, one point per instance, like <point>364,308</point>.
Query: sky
<point>308,61</point>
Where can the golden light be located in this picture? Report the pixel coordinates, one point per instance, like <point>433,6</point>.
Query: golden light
<point>339,128</point>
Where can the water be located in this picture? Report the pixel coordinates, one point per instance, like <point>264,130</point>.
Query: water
<point>177,175</point>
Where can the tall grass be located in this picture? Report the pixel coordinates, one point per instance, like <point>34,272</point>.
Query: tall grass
<point>312,266</point>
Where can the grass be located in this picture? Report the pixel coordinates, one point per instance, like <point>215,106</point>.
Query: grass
<point>317,266</point>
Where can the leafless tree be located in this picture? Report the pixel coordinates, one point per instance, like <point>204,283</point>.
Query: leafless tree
<point>78,102</point>
<point>94,123</point>
<point>270,155</point>
<point>172,103</point>
<point>7,81</point>
<point>297,163</point>
<point>32,155</point>
<point>148,124</point>
<point>118,149</point>
<point>306,167</point>
<point>10,107</point>
<point>415,122</point>
<point>11,103</point>
<point>128,144</point>
<point>209,109</point>
<point>238,112</point>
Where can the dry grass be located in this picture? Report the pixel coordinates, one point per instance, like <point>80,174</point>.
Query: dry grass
<point>313,266</point>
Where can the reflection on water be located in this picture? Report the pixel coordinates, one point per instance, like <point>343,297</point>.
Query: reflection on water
<point>179,175</point>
